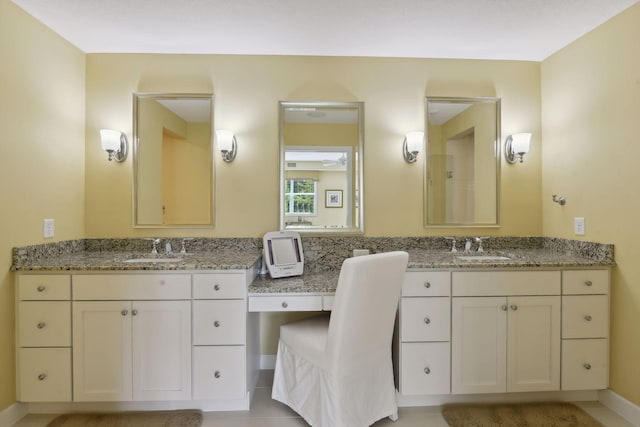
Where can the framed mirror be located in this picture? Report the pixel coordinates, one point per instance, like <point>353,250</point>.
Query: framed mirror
<point>321,146</point>
<point>173,160</point>
<point>462,173</point>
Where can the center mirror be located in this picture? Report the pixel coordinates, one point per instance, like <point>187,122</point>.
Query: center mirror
<point>173,163</point>
<point>321,166</point>
<point>462,162</point>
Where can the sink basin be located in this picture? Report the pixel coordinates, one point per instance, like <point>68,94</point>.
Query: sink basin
<point>483,258</point>
<point>151,260</point>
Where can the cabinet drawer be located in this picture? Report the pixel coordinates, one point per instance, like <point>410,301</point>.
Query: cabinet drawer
<point>585,364</point>
<point>45,323</point>
<point>285,303</point>
<point>426,283</point>
<point>218,372</point>
<point>585,282</point>
<point>497,283</point>
<point>425,319</point>
<point>131,286</point>
<point>44,287</point>
<point>219,286</point>
<point>45,375</point>
<point>585,316</point>
<point>219,322</point>
<point>425,368</point>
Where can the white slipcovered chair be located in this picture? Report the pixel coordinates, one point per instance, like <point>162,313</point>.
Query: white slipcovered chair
<point>337,371</point>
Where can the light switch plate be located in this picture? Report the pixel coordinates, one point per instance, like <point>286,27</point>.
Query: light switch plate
<point>578,226</point>
<point>48,228</point>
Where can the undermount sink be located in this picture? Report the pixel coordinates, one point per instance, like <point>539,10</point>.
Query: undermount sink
<point>483,258</point>
<point>150,260</point>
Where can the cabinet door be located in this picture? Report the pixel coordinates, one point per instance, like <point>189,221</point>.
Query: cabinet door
<point>101,351</point>
<point>161,350</point>
<point>478,345</point>
<point>533,344</point>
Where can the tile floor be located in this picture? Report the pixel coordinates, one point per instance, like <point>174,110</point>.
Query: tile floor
<point>266,412</point>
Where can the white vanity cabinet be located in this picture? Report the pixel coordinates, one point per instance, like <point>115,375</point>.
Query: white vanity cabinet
<point>505,331</point>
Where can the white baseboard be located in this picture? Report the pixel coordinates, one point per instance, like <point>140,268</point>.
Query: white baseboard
<point>13,414</point>
<point>620,405</point>
<point>441,399</point>
<point>267,361</point>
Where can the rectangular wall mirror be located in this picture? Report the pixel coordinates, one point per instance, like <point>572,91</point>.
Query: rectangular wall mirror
<point>173,163</point>
<point>321,145</point>
<point>462,173</point>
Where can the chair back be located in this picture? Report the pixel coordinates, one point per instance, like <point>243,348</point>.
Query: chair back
<point>364,309</point>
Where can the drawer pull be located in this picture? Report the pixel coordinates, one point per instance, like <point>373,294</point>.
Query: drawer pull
<point>514,307</point>
<point>124,312</point>
<point>42,377</point>
<point>284,304</point>
<point>217,374</point>
<point>134,312</point>
<point>41,288</point>
<point>427,285</point>
<point>504,307</point>
<point>41,325</point>
<point>427,370</point>
<point>427,320</point>
<point>587,366</point>
<point>216,287</point>
<point>587,318</point>
<point>588,283</point>
<point>216,324</point>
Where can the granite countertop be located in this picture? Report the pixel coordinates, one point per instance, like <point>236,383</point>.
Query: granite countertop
<point>320,283</point>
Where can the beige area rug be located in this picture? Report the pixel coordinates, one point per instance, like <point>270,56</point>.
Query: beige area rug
<point>183,418</point>
<point>555,414</point>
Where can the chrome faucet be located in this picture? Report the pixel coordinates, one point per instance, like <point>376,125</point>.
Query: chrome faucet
<point>467,246</point>
<point>453,244</point>
<point>155,242</point>
<point>183,248</point>
<point>479,240</point>
<point>167,248</point>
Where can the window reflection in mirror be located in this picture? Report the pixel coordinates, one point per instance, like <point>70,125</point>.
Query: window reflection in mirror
<point>321,166</point>
<point>173,164</point>
<point>462,162</point>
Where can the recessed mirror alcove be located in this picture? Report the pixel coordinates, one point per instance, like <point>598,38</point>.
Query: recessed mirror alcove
<point>462,171</point>
<point>321,146</point>
<point>173,163</point>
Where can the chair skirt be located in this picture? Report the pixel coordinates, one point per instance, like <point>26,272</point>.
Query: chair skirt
<point>324,398</point>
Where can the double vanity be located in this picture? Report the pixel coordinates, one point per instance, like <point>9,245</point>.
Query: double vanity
<point>528,315</point>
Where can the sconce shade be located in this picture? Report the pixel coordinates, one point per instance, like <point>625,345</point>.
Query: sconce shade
<point>412,145</point>
<point>114,143</point>
<point>516,146</point>
<point>227,144</point>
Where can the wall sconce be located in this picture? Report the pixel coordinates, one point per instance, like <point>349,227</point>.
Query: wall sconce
<point>412,145</point>
<point>516,146</point>
<point>114,142</point>
<point>227,145</point>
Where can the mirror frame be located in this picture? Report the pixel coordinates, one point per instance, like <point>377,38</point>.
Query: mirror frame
<point>497,155</point>
<point>136,154</point>
<point>358,155</point>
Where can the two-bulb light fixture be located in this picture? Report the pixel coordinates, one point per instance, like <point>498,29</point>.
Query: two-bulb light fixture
<point>516,146</point>
<point>412,145</point>
<point>114,143</point>
<point>227,145</point>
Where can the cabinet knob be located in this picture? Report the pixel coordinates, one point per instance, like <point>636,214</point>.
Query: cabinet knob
<point>124,312</point>
<point>42,377</point>
<point>504,307</point>
<point>134,312</point>
<point>284,304</point>
<point>41,288</point>
<point>587,318</point>
<point>588,283</point>
<point>216,287</point>
<point>587,366</point>
<point>427,370</point>
<point>427,285</point>
<point>216,323</point>
<point>514,307</point>
<point>41,325</point>
<point>427,320</point>
<point>217,374</point>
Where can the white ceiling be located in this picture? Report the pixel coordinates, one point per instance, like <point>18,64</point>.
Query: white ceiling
<point>469,29</point>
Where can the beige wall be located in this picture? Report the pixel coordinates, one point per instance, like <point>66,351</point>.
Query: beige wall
<point>591,111</point>
<point>41,152</point>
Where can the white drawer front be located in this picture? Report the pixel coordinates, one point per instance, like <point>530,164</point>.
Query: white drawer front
<point>585,364</point>
<point>425,369</point>
<point>585,316</point>
<point>45,375</point>
<point>285,303</point>
<point>218,372</point>
<point>425,319</point>
<point>579,282</point>
<point>219,322</point>
<point>91,287</point>
<point>45,323</point>
<point>426,283</point>
<point>44,287</point>
<point>497,283</point>
<point>219,286</point>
